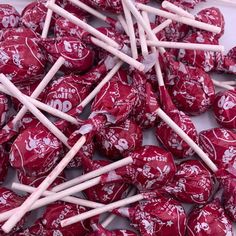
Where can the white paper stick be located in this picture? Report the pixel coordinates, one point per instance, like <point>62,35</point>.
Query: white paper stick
<point>47,22</point>
<point>222,85</point>
<point>123,23</point>
<point>93,174</point>
<point>39,115</point>
<point>44,107</point>
<point>96,90</point>
<point>14,219</point>
<point>230,82</point>
<point>130,25</point>
<point>162,26</point>
<point>181,19</point>
<point>177,10</point>
<point>48,77</point>
<point>108,207</point>
<point>60,11</point>
<point>190,46</point>
<point>118,53</point>
<point>143,42</point>
<point>228,2</point>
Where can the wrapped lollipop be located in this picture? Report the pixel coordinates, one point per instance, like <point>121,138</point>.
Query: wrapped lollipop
<point>21,60</point>
<point>117,141</point>
<point>193,183</point>
<point>4,163</point>
<point>209,219</point>
<point>224,108</point>
<point>106,193</point>
<point>219,143</point>
<point>9,17</point>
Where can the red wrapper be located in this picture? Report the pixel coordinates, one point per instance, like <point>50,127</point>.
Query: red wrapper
<point>157,216</point>
<point>117,141</point>
<point>186,3</point>
<point>8,201</point>
<point>209,219</point>
<point>220,145</point>
<point>193,183</point>
<point>4,163</point>
<point>224,108</point>
<point>169,138</point>
<point>152,168</point>
<point>35,151</point>
<point>106,193</point>
<point>9,17</point>
<point>144,113</point>
<point>78,56</point>
<point>202,59</point>
<point>21,60</point>
<point>4,101</point>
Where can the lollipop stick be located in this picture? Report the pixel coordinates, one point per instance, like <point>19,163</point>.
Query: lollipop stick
<point>162,26</point>
<point>123,23</point>
<point>42,118</point>
<point>222,85</point>
<point>60,11</point>
<point>181,19</point>
<point>47,22</point>
<point>45,107</point>
<point>177,10</point>
<point>143,42</point>
<point>108,207</point>
<point>228,2</point>
<point>48,77</point>
<point>14,219</point>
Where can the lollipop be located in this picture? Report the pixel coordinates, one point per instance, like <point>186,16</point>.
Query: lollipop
<point>224,108</point>
<point>117,141</point>
<point>192,183</point>
<point>4,163</point>
<point>219,143</point>
<point>9,17</point>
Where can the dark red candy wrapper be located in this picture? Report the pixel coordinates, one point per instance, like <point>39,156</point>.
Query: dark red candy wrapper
<point>198,58</point>
<point>106,193</point>
<point>8,201</point>
<point>21,60</point>
<point>220,145</point>
<point>4,107</point>
<point>157,216</point>
<point>4,163</point>
<point>165,134</point>
<point>224,108</point>
<point>35,151</point>
<point>9,17</point>
<point>209,219</point>
<point>193,183</point>
<point>152,168</point>
<point>78,56</point>
<point>116,141</point>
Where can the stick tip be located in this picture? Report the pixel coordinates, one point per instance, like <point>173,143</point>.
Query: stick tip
<point>6,228</point>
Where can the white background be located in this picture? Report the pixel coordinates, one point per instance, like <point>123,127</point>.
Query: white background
<point>202,122</point>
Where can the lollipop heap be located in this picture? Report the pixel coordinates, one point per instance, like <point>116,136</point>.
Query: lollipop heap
<point>130,75</point>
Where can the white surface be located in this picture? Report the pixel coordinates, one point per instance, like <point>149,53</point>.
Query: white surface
<point>202,122</point>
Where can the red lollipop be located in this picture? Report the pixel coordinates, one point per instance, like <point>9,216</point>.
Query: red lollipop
<point>224,108</point>
<point>4,163</point>
<point>21,60</point>
<point>117,141</point>
<point>152,168</point>
<point>220,145</point>
<point>171,140</point>
<point>192,183</point>
<point>35,151</point>
<point>157,216</point>
<point>106,193</point>
<point>78,56</point>
<point>9,17</point>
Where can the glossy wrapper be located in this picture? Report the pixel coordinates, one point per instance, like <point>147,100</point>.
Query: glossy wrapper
<point>224,108</point>
<point>209,219</point>
<point>4,163</point>
<point>220,145</point>
<point>193,183</point>
<point>35,151</point>
<point>9,17</point>
<point>152,168</point>
<point>117,141</point>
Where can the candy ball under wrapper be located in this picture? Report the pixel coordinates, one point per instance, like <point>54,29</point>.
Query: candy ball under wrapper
<point>35,151</point>
<point>209,219</point>
<point>224,108</point>
<point>193,183</point>
<point>220,145</point>
<point>116,141</point>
